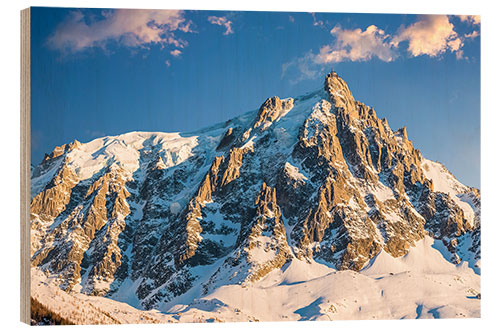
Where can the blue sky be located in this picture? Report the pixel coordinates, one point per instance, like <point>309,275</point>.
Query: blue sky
<point>106,72</point>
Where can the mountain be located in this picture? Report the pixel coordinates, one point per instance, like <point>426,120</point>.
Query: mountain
<point>313,191</point>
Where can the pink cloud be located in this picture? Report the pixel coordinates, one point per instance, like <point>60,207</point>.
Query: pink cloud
<point>176,53</point>
<point>431,35</point>
<point>127,27</point>
<point>222,21</point>
<point>472,35</point>
<point>356,45</point>
<point>473,19</point>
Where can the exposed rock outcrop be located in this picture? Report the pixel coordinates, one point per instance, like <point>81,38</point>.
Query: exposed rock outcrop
<point>59,151</point>
<point>271,110</point>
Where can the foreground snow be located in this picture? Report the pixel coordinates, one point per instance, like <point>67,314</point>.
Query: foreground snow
<point>421,284</point>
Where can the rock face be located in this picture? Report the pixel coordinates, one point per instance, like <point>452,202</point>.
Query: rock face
<point>318,177</point>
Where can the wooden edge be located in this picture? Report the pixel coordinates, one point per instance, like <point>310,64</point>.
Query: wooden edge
<point>25,163</point>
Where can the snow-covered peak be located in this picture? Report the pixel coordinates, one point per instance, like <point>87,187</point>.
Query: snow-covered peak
<point>442,179</point>
<point>127,149</point>
<point>445,182</point>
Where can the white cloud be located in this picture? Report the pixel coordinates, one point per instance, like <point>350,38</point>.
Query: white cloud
<point>167,62</point>
<point>349,45</point>
<point>472,19</point>
<point>431,35</point>
<point>356,45</point>
<point>222,21</point>
<point>127,27</point>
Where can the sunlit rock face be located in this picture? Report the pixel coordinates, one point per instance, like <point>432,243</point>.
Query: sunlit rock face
<point>316,178</point>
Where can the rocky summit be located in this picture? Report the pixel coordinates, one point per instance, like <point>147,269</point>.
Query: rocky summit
<point>149,218</point>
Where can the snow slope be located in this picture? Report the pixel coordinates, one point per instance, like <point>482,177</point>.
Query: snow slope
<point>421,284</point>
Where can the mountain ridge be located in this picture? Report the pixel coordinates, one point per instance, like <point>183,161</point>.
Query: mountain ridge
<point>318,178</point>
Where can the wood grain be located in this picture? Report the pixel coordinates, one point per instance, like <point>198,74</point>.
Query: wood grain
<point>25,164</point>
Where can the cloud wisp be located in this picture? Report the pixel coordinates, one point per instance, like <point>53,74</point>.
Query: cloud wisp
<point>430,35</point>
<point>222,21</point>
<point>135,28</point>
